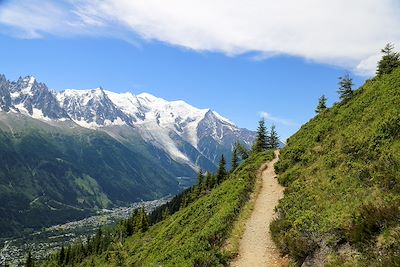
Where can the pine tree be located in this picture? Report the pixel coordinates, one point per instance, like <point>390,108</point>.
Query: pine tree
<point>200,183</point>
<point>165,213</point>
<point>235,158</point>
<point>261,137</point>
<point>345,87</point>
<point>321,104</point>
<point>97,241</point>
<point>184,201</point>
<point>242,151</point>
<point>130,224</point>
<point>68,255</point>
<point>77,252</point>
<point>81,250</point>
<point>390,60</point>
<point>221,170</point>
<point>61,257</point>
<point>209,180</point>
<point>89,245</point>
<point>268,141</point>
<point>273,138</point>
<point>143,220</point>
<point>29,260</point>
<point>200,178</point>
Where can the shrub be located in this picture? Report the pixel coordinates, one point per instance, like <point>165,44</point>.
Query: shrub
<point>373,218</point>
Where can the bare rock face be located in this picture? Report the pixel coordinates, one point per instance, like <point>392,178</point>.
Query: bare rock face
<point>28,95</point>
<point>5,98</point>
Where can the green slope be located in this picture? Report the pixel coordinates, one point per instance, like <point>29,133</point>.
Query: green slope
<point>194,235</point>
<point>342,172</point>
<point>54,173</point>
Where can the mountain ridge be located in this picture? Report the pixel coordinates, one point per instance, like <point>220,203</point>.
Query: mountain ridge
<point>154,117</point>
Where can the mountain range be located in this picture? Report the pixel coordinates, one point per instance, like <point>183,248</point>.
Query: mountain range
<point>171,126</point>
<point>82,150</point>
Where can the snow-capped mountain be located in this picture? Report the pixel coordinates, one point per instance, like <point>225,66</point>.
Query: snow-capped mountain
<point>189,135</point>
<point>34,98</point>
<point>91,108</point>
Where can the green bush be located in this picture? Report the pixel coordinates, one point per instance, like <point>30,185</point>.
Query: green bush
<point>289,176</point>
<point>373,218</point>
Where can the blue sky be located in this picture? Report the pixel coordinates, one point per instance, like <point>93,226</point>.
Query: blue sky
<point>199,62</point>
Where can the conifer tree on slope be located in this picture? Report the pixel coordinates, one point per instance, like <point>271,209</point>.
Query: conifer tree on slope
<point>209,180</point>
<point>200,177</point>
<point>273,138</point>
<point>61,256</point>
<point>242,151</point>
<point>345,87</point>
<point>200,182</point>
<point>321,104</point>
<point>261,138</point>
<point>143,221</point>
<point>221,170</point>
<point>165,213</point>
<point>29,260</point>
<point>235,157</point>
<point>68,255</point>
<point>268,141</point>
<point>96,242</point>
<point>390,60</point>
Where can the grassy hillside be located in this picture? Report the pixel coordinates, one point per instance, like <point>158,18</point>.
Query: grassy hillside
<point>194,235</point>
<point>342,172</point>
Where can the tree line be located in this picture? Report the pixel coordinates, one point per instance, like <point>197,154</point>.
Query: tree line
<point>390,60</point>
<point>265,140</point>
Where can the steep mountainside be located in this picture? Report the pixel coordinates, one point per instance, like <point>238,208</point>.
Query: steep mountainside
<point>342,172</point>
<point>52,174</point>
<point>192,230</point>
<point>64,154</point>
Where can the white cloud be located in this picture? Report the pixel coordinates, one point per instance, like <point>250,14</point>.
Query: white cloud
<point>339,32</point>
<point>367,66</point>
<point>35,18</point>
<point>267,116</point>
<point>31,17</point>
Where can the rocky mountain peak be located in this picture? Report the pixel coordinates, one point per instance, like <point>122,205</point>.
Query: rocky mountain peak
<point>5,98</point>
<point>185,132</point>
<point>34,98</point>
<point>92,108</point>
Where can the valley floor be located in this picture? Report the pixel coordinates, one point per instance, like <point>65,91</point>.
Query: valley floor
<point>45,242</point>
<point>256,247</point>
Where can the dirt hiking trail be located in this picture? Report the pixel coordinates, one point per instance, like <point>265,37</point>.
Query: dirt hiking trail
<point>256,246</point>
